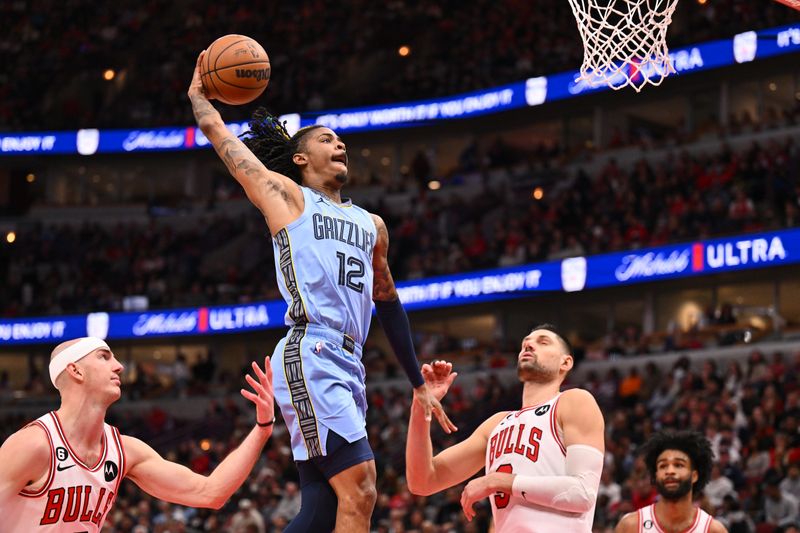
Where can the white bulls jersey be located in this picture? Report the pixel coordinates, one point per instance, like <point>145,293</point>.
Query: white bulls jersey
<point>648,523</point>
<point>75,497</point>
<point>530,442</point>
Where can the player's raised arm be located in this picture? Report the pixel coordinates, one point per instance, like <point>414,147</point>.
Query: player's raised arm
<point>177,484</point>
<point>277,197</point>
<point>425,473</point>
<point>395,323</point>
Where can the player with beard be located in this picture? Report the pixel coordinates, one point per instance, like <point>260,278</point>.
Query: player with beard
<point>542,463</point>
<point>679,464</point>
<point>331,263</point>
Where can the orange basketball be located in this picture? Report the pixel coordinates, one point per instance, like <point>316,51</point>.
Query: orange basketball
<point>235,69</point>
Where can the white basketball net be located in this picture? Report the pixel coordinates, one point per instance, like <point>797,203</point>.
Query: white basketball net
<point>625,41</point>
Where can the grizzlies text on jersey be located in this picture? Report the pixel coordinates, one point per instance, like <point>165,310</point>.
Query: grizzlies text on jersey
<point>324,266</point>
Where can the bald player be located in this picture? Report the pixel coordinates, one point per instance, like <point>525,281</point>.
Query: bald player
<point>61,473</point>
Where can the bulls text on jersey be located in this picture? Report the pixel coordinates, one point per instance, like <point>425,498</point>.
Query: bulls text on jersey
<point>517,439</point>
<point>71,504</point>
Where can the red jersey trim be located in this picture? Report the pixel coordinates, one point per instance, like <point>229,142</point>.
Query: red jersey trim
<point>524,409</point>
<point>687,530</point>
<point>554,425</point>
<point>52,471</point>
<point>118,441</point>
<point>77,459</point>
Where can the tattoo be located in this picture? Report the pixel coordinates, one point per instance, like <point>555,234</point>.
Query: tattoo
<point>240,162</point>
<point>383,288</point>
<point>201,108</point>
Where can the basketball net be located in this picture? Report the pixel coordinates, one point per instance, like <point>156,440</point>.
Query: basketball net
<point>624,41</point>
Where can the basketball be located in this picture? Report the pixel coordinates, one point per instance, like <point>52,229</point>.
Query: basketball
<point>235,69</point>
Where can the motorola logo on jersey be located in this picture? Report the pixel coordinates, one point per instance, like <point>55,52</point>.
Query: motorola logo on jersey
<point>61,453</point>
<point>542,409</point>
<point>647,524</point>
<point>110,470</point>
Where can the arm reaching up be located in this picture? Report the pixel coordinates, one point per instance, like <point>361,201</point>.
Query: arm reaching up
<point>425,473</point>
<point>395,324</point>
<point>278,198</point>
<point>177,484</point>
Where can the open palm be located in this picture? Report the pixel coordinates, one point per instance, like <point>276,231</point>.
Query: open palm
<point>263,397</point>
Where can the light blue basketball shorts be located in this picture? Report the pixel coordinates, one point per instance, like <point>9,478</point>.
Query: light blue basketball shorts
<point>319,386</point>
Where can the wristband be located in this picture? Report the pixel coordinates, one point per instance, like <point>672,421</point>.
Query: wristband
<point>266,425</point>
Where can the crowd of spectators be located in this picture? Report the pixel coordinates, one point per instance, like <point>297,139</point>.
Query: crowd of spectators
<point>323,54</point>
<point>224,259</point>
<point>750,412</point>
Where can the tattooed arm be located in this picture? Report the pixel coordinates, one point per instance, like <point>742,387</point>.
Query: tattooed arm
<point>395,324</point>
<point>383,289</point>
<point>278,198</point>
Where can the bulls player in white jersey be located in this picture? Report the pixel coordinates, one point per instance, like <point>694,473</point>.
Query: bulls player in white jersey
<point>61,473</point>
<point>679,464</point>
<point>542,463</point>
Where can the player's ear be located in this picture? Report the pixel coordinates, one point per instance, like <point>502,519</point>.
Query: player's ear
<point>300,159</point>
<point>75,372</point>
<point>695,476</point>
<point>567,362</point>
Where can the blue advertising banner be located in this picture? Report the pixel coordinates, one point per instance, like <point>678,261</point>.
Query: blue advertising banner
<point>52,329</point>
<point>475,287</point>
<point>163,139</point>
<point>197,321</point>
<point>689,259</point>
<point>407,114</point>
<point>743,48</point>
<point>62,142</point>
<point>743,252</point>
<point>684,60</point>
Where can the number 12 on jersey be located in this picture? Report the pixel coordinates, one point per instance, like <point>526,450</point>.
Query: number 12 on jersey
<point>351,270</point>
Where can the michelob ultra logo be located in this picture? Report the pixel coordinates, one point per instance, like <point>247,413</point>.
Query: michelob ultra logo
<point>742,252</point>
<point>700,257</point>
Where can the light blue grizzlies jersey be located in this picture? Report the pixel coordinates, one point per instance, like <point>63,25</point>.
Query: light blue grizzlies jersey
<point>324,266</point>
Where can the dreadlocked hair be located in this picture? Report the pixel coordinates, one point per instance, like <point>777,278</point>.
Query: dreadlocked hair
<point>692,443</point>
<point>272,145</point>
